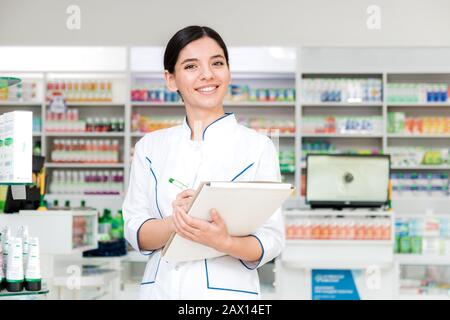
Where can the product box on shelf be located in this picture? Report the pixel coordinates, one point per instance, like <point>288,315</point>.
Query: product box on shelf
<point>16,143</point>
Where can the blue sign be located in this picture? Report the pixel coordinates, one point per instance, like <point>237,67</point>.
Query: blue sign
<point>333,285</point>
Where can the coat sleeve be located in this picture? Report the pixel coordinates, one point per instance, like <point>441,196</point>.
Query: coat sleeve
<point>136,207</point>
<point>271,234</point>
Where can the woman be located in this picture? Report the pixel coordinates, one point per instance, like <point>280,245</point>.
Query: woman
<point>208,146</point>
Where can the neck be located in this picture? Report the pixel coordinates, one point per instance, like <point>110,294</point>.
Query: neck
<point>199,118</point>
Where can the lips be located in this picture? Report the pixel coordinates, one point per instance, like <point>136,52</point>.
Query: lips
<point>209,89</point>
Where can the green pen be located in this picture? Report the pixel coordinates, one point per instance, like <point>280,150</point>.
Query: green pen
<point>178,184</point>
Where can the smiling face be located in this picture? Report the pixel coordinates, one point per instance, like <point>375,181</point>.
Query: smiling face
<point>201,74</point>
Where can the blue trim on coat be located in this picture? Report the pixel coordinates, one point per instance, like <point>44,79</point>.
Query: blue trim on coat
<point>260,259</point>
<point>156,273</point>
<point>225,115</point>
<point>224,289</point>
<point>156,187</point>
<point>248,167</point>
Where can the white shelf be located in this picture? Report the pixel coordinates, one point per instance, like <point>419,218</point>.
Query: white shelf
<point>259,104</point>
<point>342,104</point>
<point>85,134</point>
<point>410,136</point>
<point>339,135</point>
<point>423,297</point>
<point>21,103</point>
<point>285,135</point>
<point>281,135</point>
<point>337,242</point>
<point>226,104</point>
<point>423,259</point>
<point>345,212</point>
<point>418,104</point>
<point>346,264</point>
<point>95,104</point>
<point>37,134</point>
<point>156,104</point>
<point>422,167</point>
<point>84,165</point>
<point>83,196</point>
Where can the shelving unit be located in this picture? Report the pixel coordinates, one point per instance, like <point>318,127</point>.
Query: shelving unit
<point>125,65</point>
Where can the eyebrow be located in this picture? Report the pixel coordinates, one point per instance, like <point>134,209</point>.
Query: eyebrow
<point>195,59</point>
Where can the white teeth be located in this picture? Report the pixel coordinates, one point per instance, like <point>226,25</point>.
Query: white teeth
<point>207,89</point>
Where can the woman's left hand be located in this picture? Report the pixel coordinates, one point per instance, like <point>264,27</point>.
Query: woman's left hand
<point>213,234</point>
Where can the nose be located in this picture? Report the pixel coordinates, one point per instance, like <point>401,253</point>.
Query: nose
<point>207,73</point>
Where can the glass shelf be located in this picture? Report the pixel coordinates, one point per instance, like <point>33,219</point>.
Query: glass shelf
<point>6,294</point>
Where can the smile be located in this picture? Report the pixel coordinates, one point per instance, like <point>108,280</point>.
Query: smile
<point>207,90</point>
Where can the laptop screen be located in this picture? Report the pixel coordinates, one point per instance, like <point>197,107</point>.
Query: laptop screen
<point>347,180</point>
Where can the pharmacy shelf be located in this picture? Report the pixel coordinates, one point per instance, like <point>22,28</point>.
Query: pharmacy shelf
<point>290,104</point>
<point>414,136</point>
<point>20,104</point>
<point>95,104</point>
<point>419,104</point>
<point>86,134</point>
<point>226,104</point>
<point>285,135</point>
<point>155,104</point>
<point>423,259</point>
<point>422,297</point>
<point>83,196</point>
<point>338,242</point>
<point>337,135</point>
<point>84,165</point>
<point>347,212</point>
<point>410,205</point>
<point>342,104</point>
<point>422,167</point>
<point>349,264</point>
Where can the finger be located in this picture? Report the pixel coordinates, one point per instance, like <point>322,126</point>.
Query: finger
<point>196,223</point>
<point>184,222</point>
<point>216,218</point>
<point>186,194</point>
<point>182,203</point>
<point>179,229</point>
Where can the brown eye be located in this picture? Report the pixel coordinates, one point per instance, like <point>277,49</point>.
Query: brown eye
<point>189,66</point>
<point>218,63</point>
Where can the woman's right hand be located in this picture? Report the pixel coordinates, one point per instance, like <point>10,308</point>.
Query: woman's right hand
<point>182,201</point>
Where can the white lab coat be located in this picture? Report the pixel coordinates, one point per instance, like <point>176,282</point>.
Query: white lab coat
<point>228,152</point>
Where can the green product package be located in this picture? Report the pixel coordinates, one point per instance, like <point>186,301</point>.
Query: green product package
<point>416,244</point>
<point>405,245</point>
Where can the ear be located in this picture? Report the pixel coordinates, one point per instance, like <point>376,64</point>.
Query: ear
<point>170,81</point>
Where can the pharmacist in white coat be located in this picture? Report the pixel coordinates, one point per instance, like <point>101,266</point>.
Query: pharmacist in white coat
<point>209,146</point>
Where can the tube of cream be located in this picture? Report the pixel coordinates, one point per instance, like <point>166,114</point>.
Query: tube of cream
<point>14,271</point>
<point>22,232</point>
<point>5,245</point>
<point>33,271</point>
<point>2,274</point>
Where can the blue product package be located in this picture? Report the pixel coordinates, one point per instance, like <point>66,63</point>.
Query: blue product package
<point>167,95</point>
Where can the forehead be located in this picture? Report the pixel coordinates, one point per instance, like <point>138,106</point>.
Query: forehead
<point>202,48</point>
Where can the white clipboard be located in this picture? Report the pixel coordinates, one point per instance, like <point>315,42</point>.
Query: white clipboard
<point>244,206</point>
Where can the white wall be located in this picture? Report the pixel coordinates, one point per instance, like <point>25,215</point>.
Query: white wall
<point>241,22</point>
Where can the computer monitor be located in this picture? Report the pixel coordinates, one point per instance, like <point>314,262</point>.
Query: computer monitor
<point>32,192</point>
<point>341,180</point>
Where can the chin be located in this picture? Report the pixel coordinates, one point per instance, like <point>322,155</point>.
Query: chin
<point>209,103</point>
